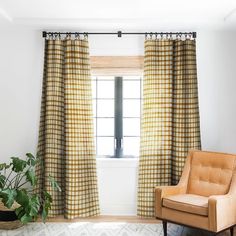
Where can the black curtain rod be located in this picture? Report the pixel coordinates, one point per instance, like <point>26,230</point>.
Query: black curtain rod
<point>120,33</point>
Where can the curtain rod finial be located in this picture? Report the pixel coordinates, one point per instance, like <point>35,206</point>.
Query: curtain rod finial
<point>194,35</point>
<point>44,34</point>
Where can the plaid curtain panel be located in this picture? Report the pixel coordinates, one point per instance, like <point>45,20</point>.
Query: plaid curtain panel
<point>66,139</point>
<point>170,123</point>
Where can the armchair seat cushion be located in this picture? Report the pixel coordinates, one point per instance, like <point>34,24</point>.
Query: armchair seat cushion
<point>191,203</point>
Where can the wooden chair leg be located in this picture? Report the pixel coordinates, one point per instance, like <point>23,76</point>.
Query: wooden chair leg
<point>232,231</point>
<point>164,223</point>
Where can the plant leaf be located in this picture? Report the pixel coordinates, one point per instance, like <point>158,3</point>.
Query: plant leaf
<point>33,206</point>
<point>18,164</point>
<point>8,197</point>
<point>47,196</point>
<point>54,184</point>
<point>30,155</point>
<point>19,212</point>
<point>30,206</point>
<point>38,156</point>
<point>31,162</point>
<point>2,181</point>
<point>31,177</point>
<point>46,207</point>
<point>25,218</point>
<point>4,166</point>
<point>31,159</point>
<point>22,198</point>
<point>44,214</point>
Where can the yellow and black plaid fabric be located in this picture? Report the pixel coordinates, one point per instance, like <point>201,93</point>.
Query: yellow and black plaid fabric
<point>66,139</point>
<point>170,117</point>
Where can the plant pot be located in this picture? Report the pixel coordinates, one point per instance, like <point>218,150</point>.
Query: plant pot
<point>8,218</point>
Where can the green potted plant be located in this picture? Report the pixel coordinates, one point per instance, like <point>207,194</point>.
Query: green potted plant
<point>19,203</point>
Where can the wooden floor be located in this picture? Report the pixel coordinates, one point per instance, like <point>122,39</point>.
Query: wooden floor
<point>173,230</point>
<point>128,219</point>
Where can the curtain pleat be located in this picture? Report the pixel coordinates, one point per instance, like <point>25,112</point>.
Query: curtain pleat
<point>66,139</point>
<point>170,123</point>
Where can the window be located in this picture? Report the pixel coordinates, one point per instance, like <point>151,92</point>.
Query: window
<point>117,108</point>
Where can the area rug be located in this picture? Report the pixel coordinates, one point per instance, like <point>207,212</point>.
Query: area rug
<point>86,229</point>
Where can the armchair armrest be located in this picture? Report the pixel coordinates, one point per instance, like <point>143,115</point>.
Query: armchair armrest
<point>221,211</point>
<point>222,208</point>
<point>164,191</point>
<point>181,188</point>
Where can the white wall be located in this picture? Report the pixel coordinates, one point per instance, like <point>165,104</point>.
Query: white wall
<point>21,54</point>
<point>21,63</point>
<point>216,55</point>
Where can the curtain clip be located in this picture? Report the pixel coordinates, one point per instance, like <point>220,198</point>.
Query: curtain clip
<point>85,35</point>
<point>77,36</point>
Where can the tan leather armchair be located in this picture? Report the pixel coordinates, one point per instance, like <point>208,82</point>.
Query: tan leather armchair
<point>205,196</point>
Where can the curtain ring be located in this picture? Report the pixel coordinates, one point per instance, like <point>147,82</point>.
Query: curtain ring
<point>77,36</point>
<point>85,35</point>
<point>51,36</point>
<point>161,35</point>
<point>151,35</point>
<point>146,36</point>
<point>68,35</point>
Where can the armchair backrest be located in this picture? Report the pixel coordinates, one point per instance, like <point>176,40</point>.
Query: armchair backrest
<point>210,173</point>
